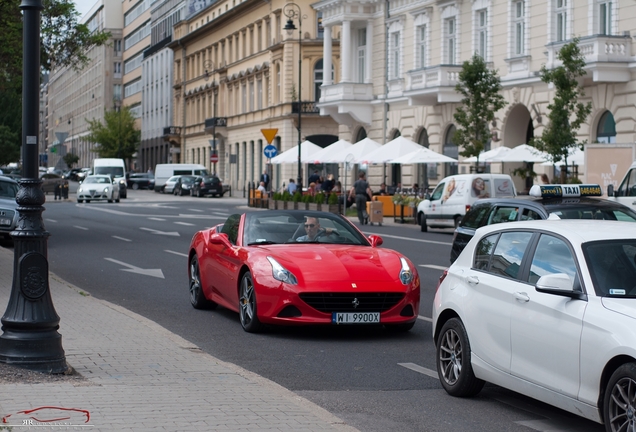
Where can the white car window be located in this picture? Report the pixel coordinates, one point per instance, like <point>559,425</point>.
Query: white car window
<point>506,259</point>
<point>552,256</point>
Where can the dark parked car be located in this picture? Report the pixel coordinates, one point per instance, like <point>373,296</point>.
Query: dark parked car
<point>72,174</point>
<point>141,181</point>
<point>8,205</point>
<point>183,185</point>
<point>207,185</point>
<point>50,180</point>
<point>554,201</point>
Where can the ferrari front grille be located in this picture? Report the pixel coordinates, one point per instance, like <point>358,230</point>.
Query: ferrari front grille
<point>352,302</point>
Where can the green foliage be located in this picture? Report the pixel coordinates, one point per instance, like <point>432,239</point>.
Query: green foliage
<point>70,159</point>
<point>481,89</point>
<point>320,198</point>
<point>333,199</point>
<point>117,137</point>
<point>286,196</point>
<point>9,146</point>
<point>297,197</point>
<point>277,196</point>
<point>524,172</point>
<point>64,42</point>
<point>307,199</point>
<point>567,114</point>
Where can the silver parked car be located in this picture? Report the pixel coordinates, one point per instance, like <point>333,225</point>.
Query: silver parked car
<point>170,183</point>
<point>8,213</point>
<point>98,188</point>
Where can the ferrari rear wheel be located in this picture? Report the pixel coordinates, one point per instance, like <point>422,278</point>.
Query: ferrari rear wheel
<point>247,305</point>
<point>197,298</point>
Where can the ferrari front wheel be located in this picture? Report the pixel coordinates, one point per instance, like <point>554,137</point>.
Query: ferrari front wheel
<point>197,298</point>
<point>247,305</point>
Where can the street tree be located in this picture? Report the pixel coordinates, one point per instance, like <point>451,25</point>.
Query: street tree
<point>566,112</point>
<point>70,159</point>
<point>8,151</point>
<point>481,89</point>
<point>64,42</point>
<point>117,136</point>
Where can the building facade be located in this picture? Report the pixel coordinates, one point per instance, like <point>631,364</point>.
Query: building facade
<point>77,96</point>
<point>401,60</point>
<point>157,79</point>
<point>236,71</point>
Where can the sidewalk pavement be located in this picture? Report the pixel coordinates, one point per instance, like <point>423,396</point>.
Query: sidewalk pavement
<point>139,376</point>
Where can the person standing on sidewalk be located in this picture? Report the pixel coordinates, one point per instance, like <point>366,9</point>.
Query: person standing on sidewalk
<point>362,191</point>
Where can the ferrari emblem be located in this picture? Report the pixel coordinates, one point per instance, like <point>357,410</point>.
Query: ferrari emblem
<point>354,285</point>
<point>355,303</point>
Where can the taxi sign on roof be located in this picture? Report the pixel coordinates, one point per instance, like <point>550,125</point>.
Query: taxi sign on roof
<point>565,190</point>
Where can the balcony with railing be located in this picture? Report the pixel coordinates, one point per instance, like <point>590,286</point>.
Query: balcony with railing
<point>172,134</point>
<point>607,57</point>
<point>216,125</point>
<point>435,84</point>
<point>347,102</point>
<point>306,107</point>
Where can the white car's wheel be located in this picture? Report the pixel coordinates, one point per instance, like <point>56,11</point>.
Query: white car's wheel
<point>453,361</point>
<point>619,403</point>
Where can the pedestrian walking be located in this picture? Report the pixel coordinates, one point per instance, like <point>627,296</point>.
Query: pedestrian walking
<point>361,191</point>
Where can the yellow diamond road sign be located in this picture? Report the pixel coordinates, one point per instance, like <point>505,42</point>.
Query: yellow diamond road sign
<point>269,134</point>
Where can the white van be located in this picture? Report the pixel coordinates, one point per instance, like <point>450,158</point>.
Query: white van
<point>454,195</point>
<point>116,168</point>
<point>626,192</point>
<point>164,171</point>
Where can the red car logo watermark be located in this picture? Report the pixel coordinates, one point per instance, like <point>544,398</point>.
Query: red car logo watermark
<point>49,416</point>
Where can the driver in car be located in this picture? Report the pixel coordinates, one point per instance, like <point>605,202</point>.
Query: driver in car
<point>314,231</point>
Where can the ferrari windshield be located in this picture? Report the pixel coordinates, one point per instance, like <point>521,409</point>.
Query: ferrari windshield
<point>296,226</point>
<point>612,267</point>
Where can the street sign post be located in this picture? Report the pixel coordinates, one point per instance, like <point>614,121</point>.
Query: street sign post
<point>270,151</point>
<point>214,157</point>
<point>269,134</point>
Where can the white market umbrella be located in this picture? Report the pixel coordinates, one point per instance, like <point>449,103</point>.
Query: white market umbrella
<point>325,154</point>
<point>390,151</point>
<point>522,153</point>
<point>486,156</point>
<point>576,157</point>
<point>423,156</point>
<point>307,148</point>
<point>357,150</point>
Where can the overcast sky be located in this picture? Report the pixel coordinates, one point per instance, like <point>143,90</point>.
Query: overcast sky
<point>83,6</point>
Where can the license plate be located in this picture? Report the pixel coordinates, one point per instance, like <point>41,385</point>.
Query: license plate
<point>4,221</point>
<point>355,318</point>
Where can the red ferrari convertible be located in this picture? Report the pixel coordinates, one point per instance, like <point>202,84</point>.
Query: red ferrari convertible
<point>301,267</point>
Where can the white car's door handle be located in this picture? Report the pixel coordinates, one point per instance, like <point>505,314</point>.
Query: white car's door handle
<point>473,280</point>
<point>521,296</point>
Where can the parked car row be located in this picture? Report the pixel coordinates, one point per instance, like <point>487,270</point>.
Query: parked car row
<point>198,186</point>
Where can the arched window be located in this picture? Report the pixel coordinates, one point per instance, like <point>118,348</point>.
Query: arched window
<point>362,134</point>
<point>451,150</point>
<point>606,130</point>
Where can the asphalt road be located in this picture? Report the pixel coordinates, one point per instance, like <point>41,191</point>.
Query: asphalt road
<point>134,254</point>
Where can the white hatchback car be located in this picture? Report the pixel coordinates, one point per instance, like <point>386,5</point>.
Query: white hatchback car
<point>547,309</point>
<point>98,188</point>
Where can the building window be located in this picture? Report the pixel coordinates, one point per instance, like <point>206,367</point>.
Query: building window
<point>450,38</point>
<point>561,16</point>
<point>320,30</point>
<point>133,63</point>
<point>394,55</point>
<point>420,47</point>
<point>142,32</point>
<point>450,149</point>
<point>605,18</point>
<point>362,48</point>
<point>278,84</point>
<point>244,98</point>
<point>259,94</point>
<point>481,33</point>
<point>518,28</point>
<point>606,130</point>
<point>318,77</point>
<point>117,46</point>
<point>117,69</point>
<point>251,96</point>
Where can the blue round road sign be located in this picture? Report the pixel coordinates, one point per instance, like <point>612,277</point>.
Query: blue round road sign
<point>270,151</point>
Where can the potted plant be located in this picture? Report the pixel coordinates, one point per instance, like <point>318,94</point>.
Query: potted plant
<point>273,203</point>
<point>286,198</point>
<point>333,203</point>
<point>309,202</point>
<point>296,200</point>
<point>319,199</point>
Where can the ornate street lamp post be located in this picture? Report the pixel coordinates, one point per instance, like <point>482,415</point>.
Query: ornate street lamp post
<point>30,338</point>
<point>292,11</point>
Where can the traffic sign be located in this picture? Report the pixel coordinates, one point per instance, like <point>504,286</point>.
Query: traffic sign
<point>269,134</point>
<point>270,151</point>
<point>214,157</point>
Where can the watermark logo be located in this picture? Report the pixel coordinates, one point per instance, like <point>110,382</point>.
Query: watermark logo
<point>49,418</point>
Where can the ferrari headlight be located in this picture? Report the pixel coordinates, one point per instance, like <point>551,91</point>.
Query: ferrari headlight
<point>281,273</point>
<point>406,275</point>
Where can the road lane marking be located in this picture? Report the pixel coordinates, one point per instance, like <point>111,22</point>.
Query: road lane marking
<point>410,238</point>
<point>176,253</point>
<point>50,220</point>
<point>154,231</point>
<point>122,238</point>
<point>132,269</point>
<point>420,369</point>
<point>433,266</point>
<point>80,227</point>
<point>196,210</point>
<point>151,216</point>
<point>184,223</point>
<point>423,318</point>
<point>157,219</point>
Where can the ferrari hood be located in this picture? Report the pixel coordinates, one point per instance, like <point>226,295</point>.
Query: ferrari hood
<point>344,264</point>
